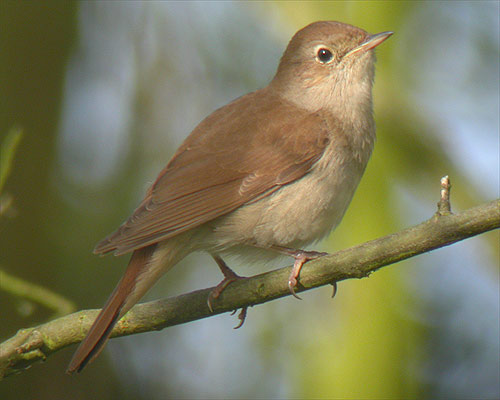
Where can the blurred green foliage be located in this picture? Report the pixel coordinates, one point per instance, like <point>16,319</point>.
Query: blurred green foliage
<point>7,152</point>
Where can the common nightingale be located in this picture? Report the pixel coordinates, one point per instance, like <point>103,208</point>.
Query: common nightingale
<point>267,174</point>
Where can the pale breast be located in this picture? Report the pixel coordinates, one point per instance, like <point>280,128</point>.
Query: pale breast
<point>301,212</point>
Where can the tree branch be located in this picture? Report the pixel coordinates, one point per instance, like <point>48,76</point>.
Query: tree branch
<point>34,344</point>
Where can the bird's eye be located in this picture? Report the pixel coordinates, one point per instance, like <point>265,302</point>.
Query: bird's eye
<point>324,55</point>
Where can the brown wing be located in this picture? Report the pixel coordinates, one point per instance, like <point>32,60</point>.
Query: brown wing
<point>244,150</point>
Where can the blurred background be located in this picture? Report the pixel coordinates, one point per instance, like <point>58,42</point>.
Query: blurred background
<point>104,92</point>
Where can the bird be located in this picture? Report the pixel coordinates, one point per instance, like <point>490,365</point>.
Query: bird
<point>265,175</point>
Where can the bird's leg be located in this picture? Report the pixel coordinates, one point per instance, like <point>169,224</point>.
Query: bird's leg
<point>229,277</point>
<point>301,257</point>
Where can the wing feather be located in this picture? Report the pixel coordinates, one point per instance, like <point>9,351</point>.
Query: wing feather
<point>212,174</point>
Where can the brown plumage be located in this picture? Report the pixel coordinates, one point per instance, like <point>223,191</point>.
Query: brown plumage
<point>211,175</point>
<point>99,333</point>
<point>270,172</point>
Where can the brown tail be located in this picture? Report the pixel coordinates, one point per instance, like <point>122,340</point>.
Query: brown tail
<point>121,300</point>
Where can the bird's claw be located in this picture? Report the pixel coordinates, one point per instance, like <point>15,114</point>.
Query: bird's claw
<point>292,283</point>
<point>241,316</point>
<point>301,257</point>
<point>334,284</point>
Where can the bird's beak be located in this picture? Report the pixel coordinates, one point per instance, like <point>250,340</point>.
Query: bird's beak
<point>371,42</point>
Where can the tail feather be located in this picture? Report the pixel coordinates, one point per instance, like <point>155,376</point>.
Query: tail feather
<point>117,305</point>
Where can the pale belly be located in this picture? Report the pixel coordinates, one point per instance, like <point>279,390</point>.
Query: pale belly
<point>297,214</point>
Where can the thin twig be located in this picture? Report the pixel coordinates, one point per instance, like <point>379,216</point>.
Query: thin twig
<point>444,207</point>
<point>36,293</point>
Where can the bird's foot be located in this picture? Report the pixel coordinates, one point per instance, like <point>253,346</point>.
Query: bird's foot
<point>301,257</point>
<point>241,316</point>
<point>229,277</point>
